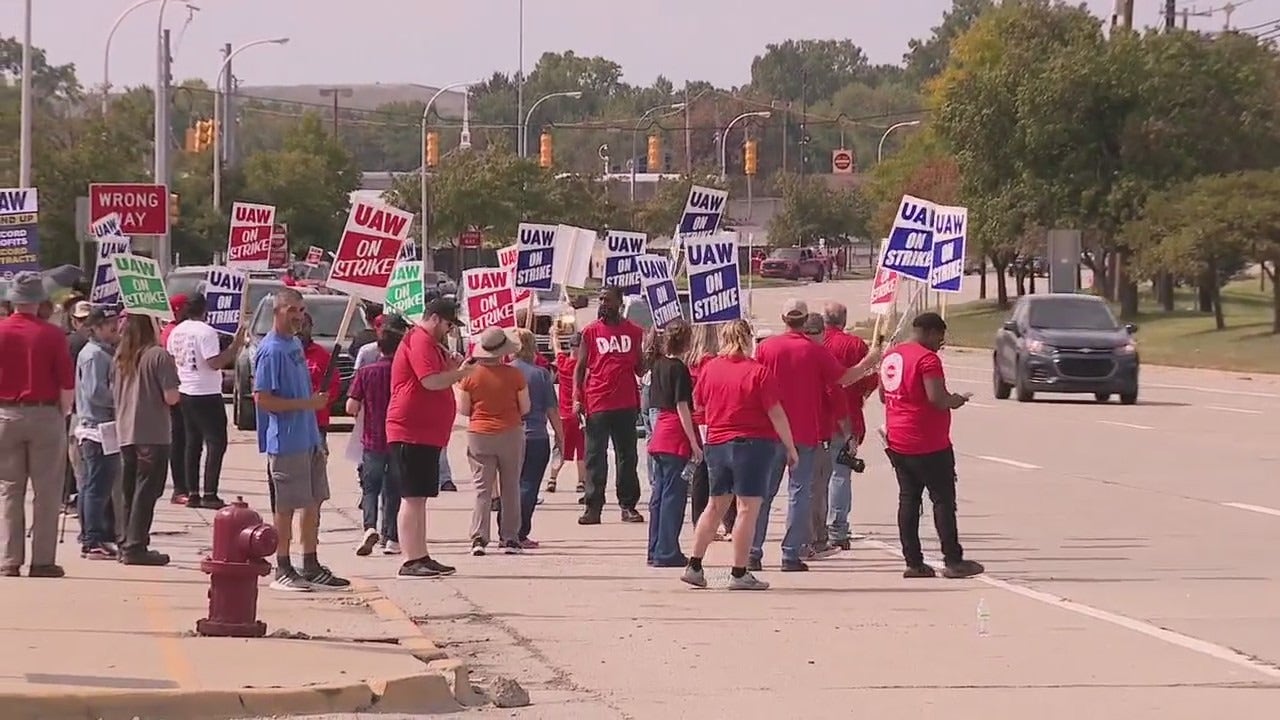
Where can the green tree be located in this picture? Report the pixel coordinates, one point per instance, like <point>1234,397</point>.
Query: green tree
<point>813,211</point>
<point>814,69</point>
<point>926,59</point>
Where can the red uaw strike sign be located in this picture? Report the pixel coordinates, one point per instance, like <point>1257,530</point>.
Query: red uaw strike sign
<point>249,241</point>
<point>884,288</point>
<point>368,250</point>
<point>143,208</point>
<point>489,299</point>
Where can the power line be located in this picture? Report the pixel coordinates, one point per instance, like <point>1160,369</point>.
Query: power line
<point>1272,21</point>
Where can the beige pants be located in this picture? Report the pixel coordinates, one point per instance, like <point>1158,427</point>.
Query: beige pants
<point>495,467</point>
<point>33,448</point>
<point>818,496</point>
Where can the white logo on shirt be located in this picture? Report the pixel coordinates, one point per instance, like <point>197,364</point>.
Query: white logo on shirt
<point>891,372</point>
<point>617,344</point>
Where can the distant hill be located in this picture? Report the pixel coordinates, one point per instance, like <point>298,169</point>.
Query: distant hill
<point>363,97</point>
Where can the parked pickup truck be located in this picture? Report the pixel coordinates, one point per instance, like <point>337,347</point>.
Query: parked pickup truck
<point>794,263</point>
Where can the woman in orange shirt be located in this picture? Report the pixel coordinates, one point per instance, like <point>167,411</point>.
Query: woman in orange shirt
<point>495,397</point>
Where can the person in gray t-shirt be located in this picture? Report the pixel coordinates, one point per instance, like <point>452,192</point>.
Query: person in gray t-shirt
<point>145,387</point>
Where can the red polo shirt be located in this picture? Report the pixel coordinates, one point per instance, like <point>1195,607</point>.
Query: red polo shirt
<point>35,366</point>
<point>849,350</point>
<point>803,372</point>
<point>415,414</point>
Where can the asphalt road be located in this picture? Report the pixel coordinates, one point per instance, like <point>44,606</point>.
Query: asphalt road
<point>1129,576</point>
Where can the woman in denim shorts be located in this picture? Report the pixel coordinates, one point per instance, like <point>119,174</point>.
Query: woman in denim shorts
<point>745,424</point>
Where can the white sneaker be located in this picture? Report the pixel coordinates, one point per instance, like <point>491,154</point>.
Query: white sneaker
<point>391,548</point>
<point>368,543</point>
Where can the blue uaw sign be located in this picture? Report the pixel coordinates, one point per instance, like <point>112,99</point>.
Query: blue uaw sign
<point>659,288</point>
<point>949,226</point>
<point>106,289</point>
<point>910,248</point>
<point>224,291</point>
<point>712,264</point>
<point>535,256</point>
<point>19,231</point>
<point>702,212</point>
<point>621,248</point>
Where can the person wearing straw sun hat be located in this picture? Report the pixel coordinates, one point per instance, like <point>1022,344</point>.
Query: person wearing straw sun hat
<point>495,396</point>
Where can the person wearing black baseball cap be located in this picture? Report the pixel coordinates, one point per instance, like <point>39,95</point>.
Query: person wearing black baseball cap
<point>917,410</point>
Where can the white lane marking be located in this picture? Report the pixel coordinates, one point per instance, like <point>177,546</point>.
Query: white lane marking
<point>1218,652</point>
<point>1117,423</point>
<point>1253,508</point>
<point>1006,461</point>
<point>1242,411</point>
<point>1217,391</point>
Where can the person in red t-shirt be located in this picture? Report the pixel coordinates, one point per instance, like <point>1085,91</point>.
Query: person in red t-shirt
<point>849,349</point>
<point>317,366</point>
<point>703,346</point>
<point>835,425</point>
<point>804,372</point>
<point>673,444</point>
<point>606,391</point>
<point>747,430</point>
<point>572,440</point>
<point>917,409</point>
<point>420,420</point>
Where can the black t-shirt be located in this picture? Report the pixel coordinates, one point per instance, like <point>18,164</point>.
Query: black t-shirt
<point>669,384</point>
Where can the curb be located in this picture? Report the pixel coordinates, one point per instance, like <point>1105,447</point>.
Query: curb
<point>445,686</point>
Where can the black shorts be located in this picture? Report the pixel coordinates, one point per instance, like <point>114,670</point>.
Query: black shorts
<point>415,469</point>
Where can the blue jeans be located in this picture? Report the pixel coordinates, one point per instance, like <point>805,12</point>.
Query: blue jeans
<point>839,493</point>
<point>100,473</point>
<point>377,489</point>
<point>537,453</point>
<point>799,487</point>
<point>668,494</point>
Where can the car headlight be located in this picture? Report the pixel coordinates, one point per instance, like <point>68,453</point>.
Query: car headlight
<point>1038,348</point>
<point>1128,348</point>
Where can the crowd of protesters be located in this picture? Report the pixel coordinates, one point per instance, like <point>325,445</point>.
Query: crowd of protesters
<point>729,418</point>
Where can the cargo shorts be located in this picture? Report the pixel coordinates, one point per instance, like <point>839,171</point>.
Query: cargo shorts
<point>299,480</point>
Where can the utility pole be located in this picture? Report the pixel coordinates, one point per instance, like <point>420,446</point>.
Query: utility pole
<point>164,95</point>
<point>336,93</point>
<point>688,133</point>
<point>804,116</point>
<point>1122,14</point>
<point>226,124</point>
<point>1170,14</point>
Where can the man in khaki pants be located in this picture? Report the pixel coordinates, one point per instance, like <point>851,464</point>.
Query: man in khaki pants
<point>36,385</point>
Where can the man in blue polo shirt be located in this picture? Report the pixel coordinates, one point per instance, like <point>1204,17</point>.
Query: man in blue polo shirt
<point>289,435</point>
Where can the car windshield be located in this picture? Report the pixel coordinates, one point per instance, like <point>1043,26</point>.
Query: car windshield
<point>326,314</point>
<point>1071,314</point>
<point>785,254</point>
<point>185,283</point>
<point>259,289</point>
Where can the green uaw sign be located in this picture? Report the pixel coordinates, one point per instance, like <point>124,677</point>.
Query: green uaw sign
<point>405,290</point>
<point>141,286</point>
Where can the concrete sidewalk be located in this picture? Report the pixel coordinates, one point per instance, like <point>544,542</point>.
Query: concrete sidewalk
<point>114,641</point>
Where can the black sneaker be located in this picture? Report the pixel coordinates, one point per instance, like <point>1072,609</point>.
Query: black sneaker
<point>511,547</point>
<point>322,578</point>
<point>581,487</point>
<point>794,566</point>
<point>582,499</point>
<point>100,552</point>
<point>448,486</point>
<point>754,565</point>
<point>477,547</point>
<point>416,570</point>
<point>963,569</point>
<point>212,502</point>
<point>144,557</point>
<point>589,518</point>
<point>914,572</point>
<point>290,581</point>
<point>193,501</point>
<point>632,516</point>
<point>46,571</point>
<point>438,566</point>
<point>494,505</point>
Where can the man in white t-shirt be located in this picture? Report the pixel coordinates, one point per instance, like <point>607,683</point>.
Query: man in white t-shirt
<point>200,359</point>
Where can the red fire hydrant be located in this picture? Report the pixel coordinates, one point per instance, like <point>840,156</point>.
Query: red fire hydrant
<point>240,542</point>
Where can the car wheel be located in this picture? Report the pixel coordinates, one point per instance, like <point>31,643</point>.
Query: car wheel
<point>1001,388</point>
<point>1102,397</point>
<point>822,275</point>
<point>243,413</point>
<point>795,276</point>
<point>1129,398</point>
<point>1021,392</point>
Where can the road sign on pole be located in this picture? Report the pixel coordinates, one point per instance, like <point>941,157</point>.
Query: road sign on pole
<point>143,207</point>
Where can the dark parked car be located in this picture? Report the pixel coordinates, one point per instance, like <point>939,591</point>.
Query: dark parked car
<point>1065,343</point>
<point>326,313</point>
<point>794,263</point>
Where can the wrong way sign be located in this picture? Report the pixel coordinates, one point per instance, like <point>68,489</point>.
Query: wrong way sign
<point>143,208</point>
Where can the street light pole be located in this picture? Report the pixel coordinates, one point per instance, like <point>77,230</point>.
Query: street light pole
<point>880,149</point>
<point>635,134</point>
<point>524,141</point>
<point>521,145</point>
<point>428,262</point>
<point>24,141</point>
<point>217,88</point>
<point>106,53</point>
<point>724,140</point>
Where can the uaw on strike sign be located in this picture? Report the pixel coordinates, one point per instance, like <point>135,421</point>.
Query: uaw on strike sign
<point>367,252</point>
<point>621,248</point>
<point>713,278</point>
<point>535,256</point>
<point>249,240</point>
<point>489,299</point>
<point>927,243</point>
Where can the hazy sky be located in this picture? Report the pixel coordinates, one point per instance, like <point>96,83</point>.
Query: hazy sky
<point>434,42</point>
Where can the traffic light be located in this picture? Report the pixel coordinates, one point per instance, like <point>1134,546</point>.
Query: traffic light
<point>175,209</point>
<point>204,134</point>
<point>655,153</point>
<point>433,149</point>
<point>544,150</point>
<point>749,157</point>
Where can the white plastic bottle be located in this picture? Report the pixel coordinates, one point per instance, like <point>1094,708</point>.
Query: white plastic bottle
<point>984,618</point>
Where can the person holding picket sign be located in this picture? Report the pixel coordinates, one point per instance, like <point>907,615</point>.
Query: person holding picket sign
<point>674,446</point>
